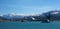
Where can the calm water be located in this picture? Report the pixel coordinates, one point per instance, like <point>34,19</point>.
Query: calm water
<point>29,25</point>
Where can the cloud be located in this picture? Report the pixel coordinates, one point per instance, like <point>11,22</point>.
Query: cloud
<point>18,14</point>
<point>1,15</point>
<point>38,8</point>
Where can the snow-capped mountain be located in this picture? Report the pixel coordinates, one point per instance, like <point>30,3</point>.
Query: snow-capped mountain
<point>10,16</point>
<point>53,14</point>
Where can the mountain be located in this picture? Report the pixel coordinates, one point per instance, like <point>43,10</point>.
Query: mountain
<point>53,14</point>
<point>11,16</point>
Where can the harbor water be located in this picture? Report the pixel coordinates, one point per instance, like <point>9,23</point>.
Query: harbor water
<point>29,25</point>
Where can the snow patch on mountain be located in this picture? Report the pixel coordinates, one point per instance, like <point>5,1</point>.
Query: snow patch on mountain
<point>55,13</point>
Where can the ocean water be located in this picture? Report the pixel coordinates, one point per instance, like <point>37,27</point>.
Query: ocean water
<point>29,25</point>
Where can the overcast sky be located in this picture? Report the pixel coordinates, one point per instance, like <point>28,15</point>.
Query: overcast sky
<point>28,6</point>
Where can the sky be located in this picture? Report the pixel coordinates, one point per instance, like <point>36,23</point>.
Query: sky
<point>28,6</point>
